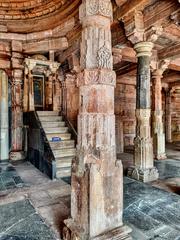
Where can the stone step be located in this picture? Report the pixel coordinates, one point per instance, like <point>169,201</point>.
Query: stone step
<point>64,162</point>
<point>52,124</point>
<point>69,152</point>
<point>63,136</point>
<point>63,172</point>
<point>62,144</point>
<point>50,118</point>
<point>56,130</point>
<point>48,113</point>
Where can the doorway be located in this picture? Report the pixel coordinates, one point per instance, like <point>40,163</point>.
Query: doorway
<point>39,98</point>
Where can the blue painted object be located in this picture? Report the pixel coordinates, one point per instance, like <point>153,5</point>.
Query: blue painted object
<point>56,139</point>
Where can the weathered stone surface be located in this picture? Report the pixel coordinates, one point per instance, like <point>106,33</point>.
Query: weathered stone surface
<point>96,203</point>
<point>22,222</point>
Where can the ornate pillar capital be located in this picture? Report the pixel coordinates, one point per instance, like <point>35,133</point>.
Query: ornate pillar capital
<point>144,49</point>
<point>159,68</point>
<point>90,8</point>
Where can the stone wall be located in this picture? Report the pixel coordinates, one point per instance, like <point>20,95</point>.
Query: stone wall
<point>125,103</point>
<point>176,115</point>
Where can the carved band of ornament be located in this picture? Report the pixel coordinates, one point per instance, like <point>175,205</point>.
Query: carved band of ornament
<point>96,7</point>
<point>143,114</point>
<point>97,76</point>
<point>145,141</point>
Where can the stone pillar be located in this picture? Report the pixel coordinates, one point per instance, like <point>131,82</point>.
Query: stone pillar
<point>53,94</point>
<point>56,93</point>
<point>168,116</point>
<point>97,177</point>
<point>17,117</point>
<point>49,91</point>
<point>119,135</point>
<point>71,98</point>
<point>4,117</point>
<point>157,122</point>
<point>144,169</point>
<point>17,106</point>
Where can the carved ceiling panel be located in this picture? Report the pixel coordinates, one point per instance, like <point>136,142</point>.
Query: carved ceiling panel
<point>27,16</point>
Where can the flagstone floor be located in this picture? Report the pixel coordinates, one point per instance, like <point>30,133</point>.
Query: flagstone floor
<point>32,207</point>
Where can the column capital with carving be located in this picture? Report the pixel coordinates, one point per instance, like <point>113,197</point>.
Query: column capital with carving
<point>143,49</point>
<point>159,68</point>
<point>90,8</point>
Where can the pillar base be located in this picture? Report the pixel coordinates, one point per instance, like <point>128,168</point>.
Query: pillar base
<point>17,156</point>
<point>143,175</point>
<point>73,232</point>
<point>161,156</point>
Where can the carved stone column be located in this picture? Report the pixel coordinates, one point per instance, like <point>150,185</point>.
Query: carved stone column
<point>56,93</point>
<point>119,135</point>
<point>17,106</point>
<point>4,117</point>
<point>71,98</point>
<point>17,117</point>
<point>158,132</point>
<point>97,178</point>
<point>53,88</point>
<point>168,116</point>
<point>28,91</point>
<point>144,169</point>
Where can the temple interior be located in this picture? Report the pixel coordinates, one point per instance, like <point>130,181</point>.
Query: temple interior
<point>89,120</point>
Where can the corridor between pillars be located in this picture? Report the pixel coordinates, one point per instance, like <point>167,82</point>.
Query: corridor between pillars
<point>97,177</point>
<point>4,118</point>
<point>144,169</point>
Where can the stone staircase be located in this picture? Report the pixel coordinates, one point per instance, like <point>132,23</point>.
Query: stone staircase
<point>63,150</point>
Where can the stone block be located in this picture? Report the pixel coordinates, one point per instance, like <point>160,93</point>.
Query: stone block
<point>16,46</point>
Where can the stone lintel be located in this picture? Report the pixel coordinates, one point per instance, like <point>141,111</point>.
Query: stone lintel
<point>143,175</point>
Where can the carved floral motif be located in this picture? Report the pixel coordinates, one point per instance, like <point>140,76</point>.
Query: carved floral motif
<point>97,76</point>
<point>104,58</point>
<point>99,7</point>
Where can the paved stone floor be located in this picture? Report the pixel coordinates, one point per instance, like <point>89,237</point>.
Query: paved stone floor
<point>40,205</point>
<point>19,221</point>
<point>152,213</point>
<point>9,179</point>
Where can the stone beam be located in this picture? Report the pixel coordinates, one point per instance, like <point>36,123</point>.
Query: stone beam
<point>128,80</point>
<point>160,13</point>
<point>170,53</point>
<point>130,6</point>
<point>124,54</point>
<point>46,45</point>
<point>58,31</point>
<point>171,78</point>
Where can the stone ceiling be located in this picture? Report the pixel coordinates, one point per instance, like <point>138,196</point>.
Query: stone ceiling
<point>25,16</point>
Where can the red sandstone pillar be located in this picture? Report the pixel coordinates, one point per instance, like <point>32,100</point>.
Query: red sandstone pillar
<point>97,177</point>
<point>157,113</point>
<point>168,116</point>
<point>71,98</point>
<point>17,106</point>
